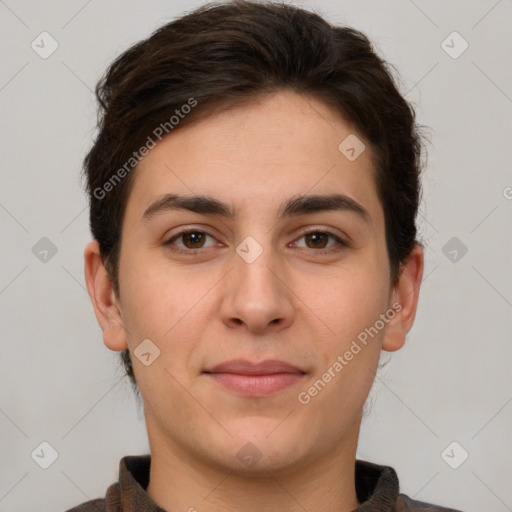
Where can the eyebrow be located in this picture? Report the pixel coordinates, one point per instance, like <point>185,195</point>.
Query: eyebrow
<point>298,205</point>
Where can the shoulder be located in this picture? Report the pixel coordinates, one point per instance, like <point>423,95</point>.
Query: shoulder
<point>406,504</point>
<point>98,505</point>
<point>378,489</point>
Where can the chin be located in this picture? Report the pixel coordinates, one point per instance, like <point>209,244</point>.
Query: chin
<point>263,445</point>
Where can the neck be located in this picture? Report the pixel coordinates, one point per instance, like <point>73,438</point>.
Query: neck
<point>179,481</point>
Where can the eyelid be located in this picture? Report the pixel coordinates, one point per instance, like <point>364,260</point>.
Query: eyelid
<point>341,240</point>
<point>186,231</point>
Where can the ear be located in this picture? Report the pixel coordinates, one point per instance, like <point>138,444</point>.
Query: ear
<point>405,295</point>
<point>103,298</point>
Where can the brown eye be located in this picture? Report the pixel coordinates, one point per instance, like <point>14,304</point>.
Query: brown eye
<point>193,240</point>
<point>322,241</point>
<point>187,241</point>
<point>316,240</point>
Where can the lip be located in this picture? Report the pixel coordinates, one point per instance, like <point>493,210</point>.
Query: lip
<point>255,379</point>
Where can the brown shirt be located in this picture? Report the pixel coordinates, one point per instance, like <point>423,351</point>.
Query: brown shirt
<point>376,486</point>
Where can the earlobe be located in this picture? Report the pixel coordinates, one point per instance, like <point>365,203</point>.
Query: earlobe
<point>405,296</point>
<point>103,298</point>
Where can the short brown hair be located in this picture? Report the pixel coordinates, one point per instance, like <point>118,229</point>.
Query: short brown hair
<point>225,54</point>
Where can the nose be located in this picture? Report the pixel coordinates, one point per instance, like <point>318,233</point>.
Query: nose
<point>256,296</point>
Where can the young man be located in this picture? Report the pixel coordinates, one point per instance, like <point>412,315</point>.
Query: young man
<point>253,192</point>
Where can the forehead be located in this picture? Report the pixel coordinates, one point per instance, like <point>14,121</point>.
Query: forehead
<point>274,147</point>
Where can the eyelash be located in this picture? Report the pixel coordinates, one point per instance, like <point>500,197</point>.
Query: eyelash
<point>194,252</point>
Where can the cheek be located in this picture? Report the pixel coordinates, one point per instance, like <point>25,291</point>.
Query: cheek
<point>351,301</point>
<point>349,356</point>
<point>156,294</point>
<point>166,305</point>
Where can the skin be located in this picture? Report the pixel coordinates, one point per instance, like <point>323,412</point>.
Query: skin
<point>292,303</point>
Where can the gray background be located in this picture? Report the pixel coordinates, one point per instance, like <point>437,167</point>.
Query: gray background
<point>451,382</point>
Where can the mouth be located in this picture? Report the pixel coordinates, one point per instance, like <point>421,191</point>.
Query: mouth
<point>255,379</point>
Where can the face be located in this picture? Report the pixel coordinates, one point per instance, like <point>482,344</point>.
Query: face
<point>269,299</point>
